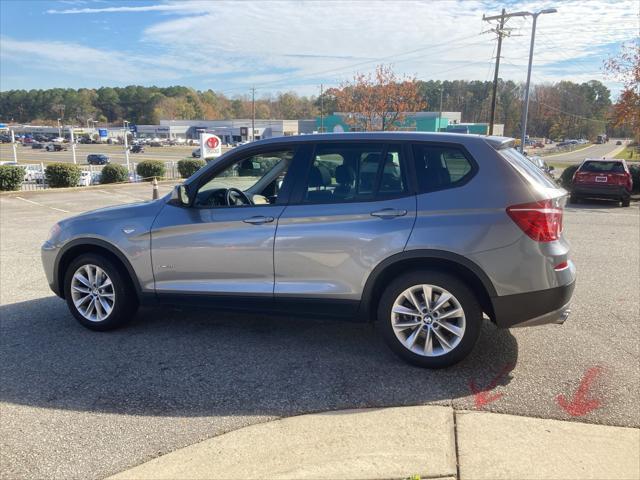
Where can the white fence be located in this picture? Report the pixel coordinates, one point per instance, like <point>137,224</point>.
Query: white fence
<point>35,179</point>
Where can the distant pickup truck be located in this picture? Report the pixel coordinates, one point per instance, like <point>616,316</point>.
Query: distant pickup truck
<point>55,147</point>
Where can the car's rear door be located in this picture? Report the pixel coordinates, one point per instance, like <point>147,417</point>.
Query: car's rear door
<point>354,208</point>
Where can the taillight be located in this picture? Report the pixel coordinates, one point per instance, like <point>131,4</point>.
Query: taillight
<point>542,220</point>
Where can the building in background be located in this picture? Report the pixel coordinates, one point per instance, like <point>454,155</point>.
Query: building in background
<point>414,122</point>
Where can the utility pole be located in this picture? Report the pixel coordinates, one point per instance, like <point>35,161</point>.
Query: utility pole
<point>321,109</point>
<point>501,32</point>
<point>526,92</point>
<point>59,128</point>
<point>440,111</point>
<point>253,113</point>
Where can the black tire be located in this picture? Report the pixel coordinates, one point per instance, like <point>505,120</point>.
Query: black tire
<point>125,299</point>
<point>448,282</point>
<point>626,201</point>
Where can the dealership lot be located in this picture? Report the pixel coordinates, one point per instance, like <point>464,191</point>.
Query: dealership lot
<point>82,404</point>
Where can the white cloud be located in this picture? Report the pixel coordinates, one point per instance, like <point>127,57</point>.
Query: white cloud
<point>297,44</point>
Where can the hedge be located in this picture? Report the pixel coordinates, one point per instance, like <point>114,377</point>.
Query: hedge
<point>567,176</point>
<point>60,175</point>
<point>635,175</point>
<point>150,168</point>
<point>11,177</point>
<point>189,166</point>
<point>114,173</point>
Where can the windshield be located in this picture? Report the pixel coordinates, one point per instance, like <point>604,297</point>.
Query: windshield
<point>526,168</point>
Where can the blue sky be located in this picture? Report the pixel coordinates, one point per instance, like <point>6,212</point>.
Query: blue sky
<point>229,46</point>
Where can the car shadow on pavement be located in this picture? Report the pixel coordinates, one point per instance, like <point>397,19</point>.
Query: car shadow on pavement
<point>200,363</point>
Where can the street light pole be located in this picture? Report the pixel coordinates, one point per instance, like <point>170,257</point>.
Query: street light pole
<point>126,145</point>
<point>525,110</point>
<point>59,128</point>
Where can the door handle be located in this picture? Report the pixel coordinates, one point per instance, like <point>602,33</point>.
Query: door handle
<point>389,213</point>
<point>259,220</point>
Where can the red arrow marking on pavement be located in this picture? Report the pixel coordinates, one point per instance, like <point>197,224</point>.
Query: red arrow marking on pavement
<point>482,396</point>
<point>580,405</point>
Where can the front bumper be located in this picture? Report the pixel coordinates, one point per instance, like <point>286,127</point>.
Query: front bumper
<point>533,308</point>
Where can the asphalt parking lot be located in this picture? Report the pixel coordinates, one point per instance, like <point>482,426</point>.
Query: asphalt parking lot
<point>80,404</point>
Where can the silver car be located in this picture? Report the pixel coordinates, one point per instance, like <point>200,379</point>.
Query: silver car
<point>426,234</point>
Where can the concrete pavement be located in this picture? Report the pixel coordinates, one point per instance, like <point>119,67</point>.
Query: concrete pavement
<point>424,441</point>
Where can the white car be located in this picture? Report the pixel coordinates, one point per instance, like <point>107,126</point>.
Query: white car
<point>86,178</point>
<point>33,173</point>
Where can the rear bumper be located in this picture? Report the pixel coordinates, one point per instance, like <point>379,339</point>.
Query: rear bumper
<point>615,191</point>
<point>533,308</point>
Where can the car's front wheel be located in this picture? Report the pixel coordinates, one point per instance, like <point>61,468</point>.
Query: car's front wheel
<point>98,293</point>
<point>430,318</point>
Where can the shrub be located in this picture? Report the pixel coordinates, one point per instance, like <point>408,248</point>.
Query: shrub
<point>11,177</point>
<point>59,175</point>
<point>567,176</point>
<point>189,166</point>
<point>114,173</point>
<point>150,168</point>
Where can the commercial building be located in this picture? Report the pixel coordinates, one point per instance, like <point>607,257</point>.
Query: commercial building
<point>229,131</point>
<point>414,122</point>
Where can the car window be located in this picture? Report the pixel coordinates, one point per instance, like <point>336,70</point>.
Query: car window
<point>439,167</point>
<point>354,172</point>
<point>260,175</point>
<point>604,167</point>
<point>523,166</point>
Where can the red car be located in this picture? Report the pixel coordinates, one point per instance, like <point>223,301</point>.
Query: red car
<point>605,178</point>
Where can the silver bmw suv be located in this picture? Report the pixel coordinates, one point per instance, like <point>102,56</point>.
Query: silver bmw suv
<point>426,234</point>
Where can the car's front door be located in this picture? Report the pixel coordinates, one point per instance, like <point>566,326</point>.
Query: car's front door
<point>354,210</point>
<point>223,243</point>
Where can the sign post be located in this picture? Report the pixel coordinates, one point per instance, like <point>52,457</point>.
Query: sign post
<point>210,146</point>
<point>73,145</point>
<point>13,144</point>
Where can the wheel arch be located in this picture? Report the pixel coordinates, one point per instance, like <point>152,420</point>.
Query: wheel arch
<point>449,262</point>
<point>79,247</point>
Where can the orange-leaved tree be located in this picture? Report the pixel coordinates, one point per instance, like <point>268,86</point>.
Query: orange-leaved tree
<point>378,101</point>
<point>626,68</point>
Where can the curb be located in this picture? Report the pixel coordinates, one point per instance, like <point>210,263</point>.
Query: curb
<point>399,442</point>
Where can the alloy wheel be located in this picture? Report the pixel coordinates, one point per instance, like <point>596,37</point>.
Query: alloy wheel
<point>428,320</point>
<point>92,293</point>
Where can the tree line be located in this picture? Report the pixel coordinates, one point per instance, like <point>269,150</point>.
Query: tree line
<point>557,110</point>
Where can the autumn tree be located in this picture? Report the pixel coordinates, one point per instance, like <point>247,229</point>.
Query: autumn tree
<point>378,101</point>
<point>626,68</point>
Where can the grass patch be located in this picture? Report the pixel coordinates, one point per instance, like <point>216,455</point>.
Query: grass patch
<point>630,154</point>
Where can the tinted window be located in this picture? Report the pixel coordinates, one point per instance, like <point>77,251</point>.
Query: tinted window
<point>596,167</point>
<point>523,166</point>
<point>439,167</point>
<point>354,172</point>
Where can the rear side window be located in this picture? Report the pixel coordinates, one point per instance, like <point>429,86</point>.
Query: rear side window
<point>439,167</point>
<point>354,172</point>
<point>602,167</point>
<point>527,169</point>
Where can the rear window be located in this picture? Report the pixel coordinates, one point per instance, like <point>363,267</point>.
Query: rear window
<point>439,167</point>
<point>602,167</point>
<point>527,169</point>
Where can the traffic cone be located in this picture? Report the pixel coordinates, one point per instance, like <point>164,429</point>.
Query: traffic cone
<point>155,188</point>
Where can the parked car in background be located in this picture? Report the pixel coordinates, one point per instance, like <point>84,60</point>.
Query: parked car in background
<point>541,164</point>
<point>195,153</point>
<point>55,147</point>
<point>137,148</point>
<point>85,178</point>
<point>97,159</point>
<point>386,227</point>
<point>602,178</point>
<point>5,138</point>
<point>619,142</point>
<point>37,146</point>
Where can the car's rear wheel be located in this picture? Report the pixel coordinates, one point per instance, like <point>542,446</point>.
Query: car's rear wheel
<point>430,318</point>
<point>626,201</point>
<point>98,293</point>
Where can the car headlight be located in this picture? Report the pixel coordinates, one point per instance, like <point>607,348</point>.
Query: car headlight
<point>55,230</point>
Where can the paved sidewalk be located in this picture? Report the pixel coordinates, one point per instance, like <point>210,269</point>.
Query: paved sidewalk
<point>425,441</point>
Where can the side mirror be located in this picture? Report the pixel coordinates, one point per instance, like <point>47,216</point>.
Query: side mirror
<point>180,196</point>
